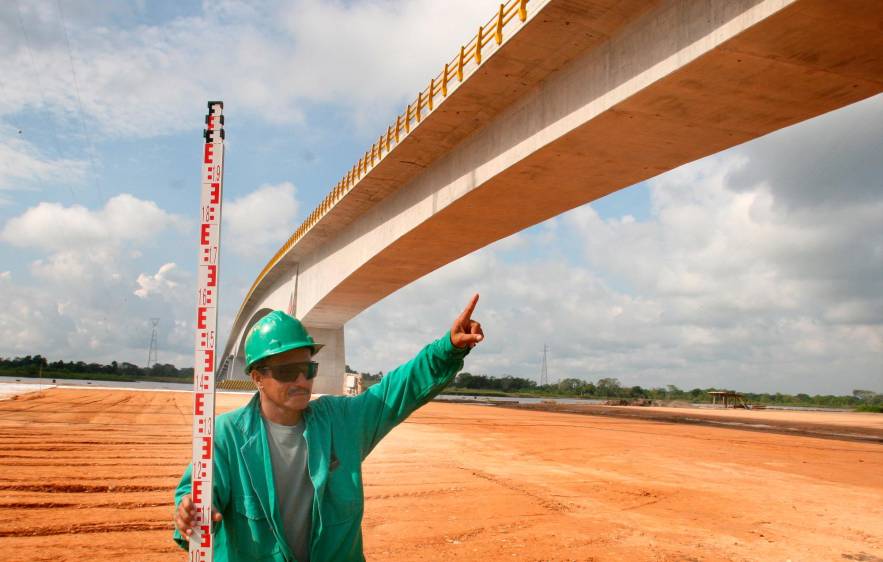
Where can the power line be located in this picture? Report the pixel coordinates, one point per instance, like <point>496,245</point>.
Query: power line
<point>34,71</point>
<point>91,150</point>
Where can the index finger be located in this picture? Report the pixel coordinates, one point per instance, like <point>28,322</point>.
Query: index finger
<point>466,315</point>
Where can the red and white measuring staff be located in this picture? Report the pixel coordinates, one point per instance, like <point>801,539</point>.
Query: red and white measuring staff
<point>201,547</point>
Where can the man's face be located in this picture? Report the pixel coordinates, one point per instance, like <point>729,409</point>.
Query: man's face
<point>291,396</point>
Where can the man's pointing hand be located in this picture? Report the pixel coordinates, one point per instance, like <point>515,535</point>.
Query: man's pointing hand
<point>466,332</point>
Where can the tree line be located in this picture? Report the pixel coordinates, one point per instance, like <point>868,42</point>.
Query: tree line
<point>610,387</point>
<point>35,365</point>
<point>603,388</point>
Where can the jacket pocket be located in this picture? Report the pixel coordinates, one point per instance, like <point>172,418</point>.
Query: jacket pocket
<point>251,533</point>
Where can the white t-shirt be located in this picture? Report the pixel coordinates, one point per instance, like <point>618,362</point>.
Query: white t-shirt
<point>294,489</point>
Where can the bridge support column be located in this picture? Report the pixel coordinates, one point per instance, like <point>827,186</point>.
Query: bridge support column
<point>332,360</point>
<point>237,368</point>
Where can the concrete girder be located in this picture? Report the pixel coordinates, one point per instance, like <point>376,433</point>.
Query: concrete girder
<point>637,89</point>
<point>682,81</point>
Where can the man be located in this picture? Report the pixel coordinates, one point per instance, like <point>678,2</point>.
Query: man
<point>288,472</point>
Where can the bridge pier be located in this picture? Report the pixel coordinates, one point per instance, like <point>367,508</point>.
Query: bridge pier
<point>332,360</point>
<point>237,368</point>
<point>332,357</point>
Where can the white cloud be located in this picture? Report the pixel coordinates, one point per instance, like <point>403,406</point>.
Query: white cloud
<point>162,283</point>
<point>84,299</point>
<point>124,218</point>
<point>91,314</point>
<point>392,48</point>
<point>78,268</point>
<point>29,321</point>
<point>257,223</point>
<point>285,57</point>
<point>22,165</point>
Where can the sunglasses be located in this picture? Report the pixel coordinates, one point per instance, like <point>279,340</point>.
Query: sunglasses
<point>289,372</point>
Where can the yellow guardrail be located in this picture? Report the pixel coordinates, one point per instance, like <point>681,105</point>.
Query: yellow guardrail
<point>245,385</point>
<point>491,31</point>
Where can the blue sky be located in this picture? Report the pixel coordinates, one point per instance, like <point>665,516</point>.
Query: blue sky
<point>760,268</point>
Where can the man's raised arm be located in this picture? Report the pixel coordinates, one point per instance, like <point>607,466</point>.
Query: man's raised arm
<point>386,404</point>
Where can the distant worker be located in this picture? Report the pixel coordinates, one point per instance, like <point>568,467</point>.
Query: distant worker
<point>288,471</point>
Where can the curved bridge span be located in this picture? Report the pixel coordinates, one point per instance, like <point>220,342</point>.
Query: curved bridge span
<point>552,105</point>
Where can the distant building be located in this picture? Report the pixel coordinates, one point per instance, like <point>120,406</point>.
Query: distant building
<point>728,399</point>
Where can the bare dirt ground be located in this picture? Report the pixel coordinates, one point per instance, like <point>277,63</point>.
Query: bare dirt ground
<point>859,426</point>
<point>89,474</point>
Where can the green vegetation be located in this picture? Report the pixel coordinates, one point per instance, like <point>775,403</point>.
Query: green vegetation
<point>489,393</point>
<point>875,408</point>
<point>464,384</point>
<point>610,388</point>
<point>39,366</point>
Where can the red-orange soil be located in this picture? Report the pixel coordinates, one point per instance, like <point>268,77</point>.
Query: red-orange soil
<point>88,475</point>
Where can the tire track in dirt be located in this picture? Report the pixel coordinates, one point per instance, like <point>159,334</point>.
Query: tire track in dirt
<point>37,505</point>
<point>417,494</point>
<point>50,406</point>
<point>70,445</point>
<point>82,528</point>
<point>103,477</point>
<point>474,532</point>
<point>121,424</point>
<point>55,505</point>
<point>653,499</point>
<point>69,459</point>
<point>93,464</point>
<point>79,488</point>
<point>546,502</point>
<point>8,414</point>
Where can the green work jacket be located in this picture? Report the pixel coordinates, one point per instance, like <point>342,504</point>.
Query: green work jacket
<point>340,432</point>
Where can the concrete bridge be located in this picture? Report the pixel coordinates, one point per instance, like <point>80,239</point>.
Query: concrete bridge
<point>556,103</point>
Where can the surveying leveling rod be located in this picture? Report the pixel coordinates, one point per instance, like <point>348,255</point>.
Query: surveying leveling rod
<point>206,322</point>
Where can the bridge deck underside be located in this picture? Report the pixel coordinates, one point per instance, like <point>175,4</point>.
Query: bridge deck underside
<point>807,59</point>
<point>546,44</point>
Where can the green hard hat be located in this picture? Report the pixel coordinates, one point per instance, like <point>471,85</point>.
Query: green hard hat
<point>273,334</point>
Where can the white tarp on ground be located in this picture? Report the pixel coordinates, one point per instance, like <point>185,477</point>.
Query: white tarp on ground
<point>10,389</point>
